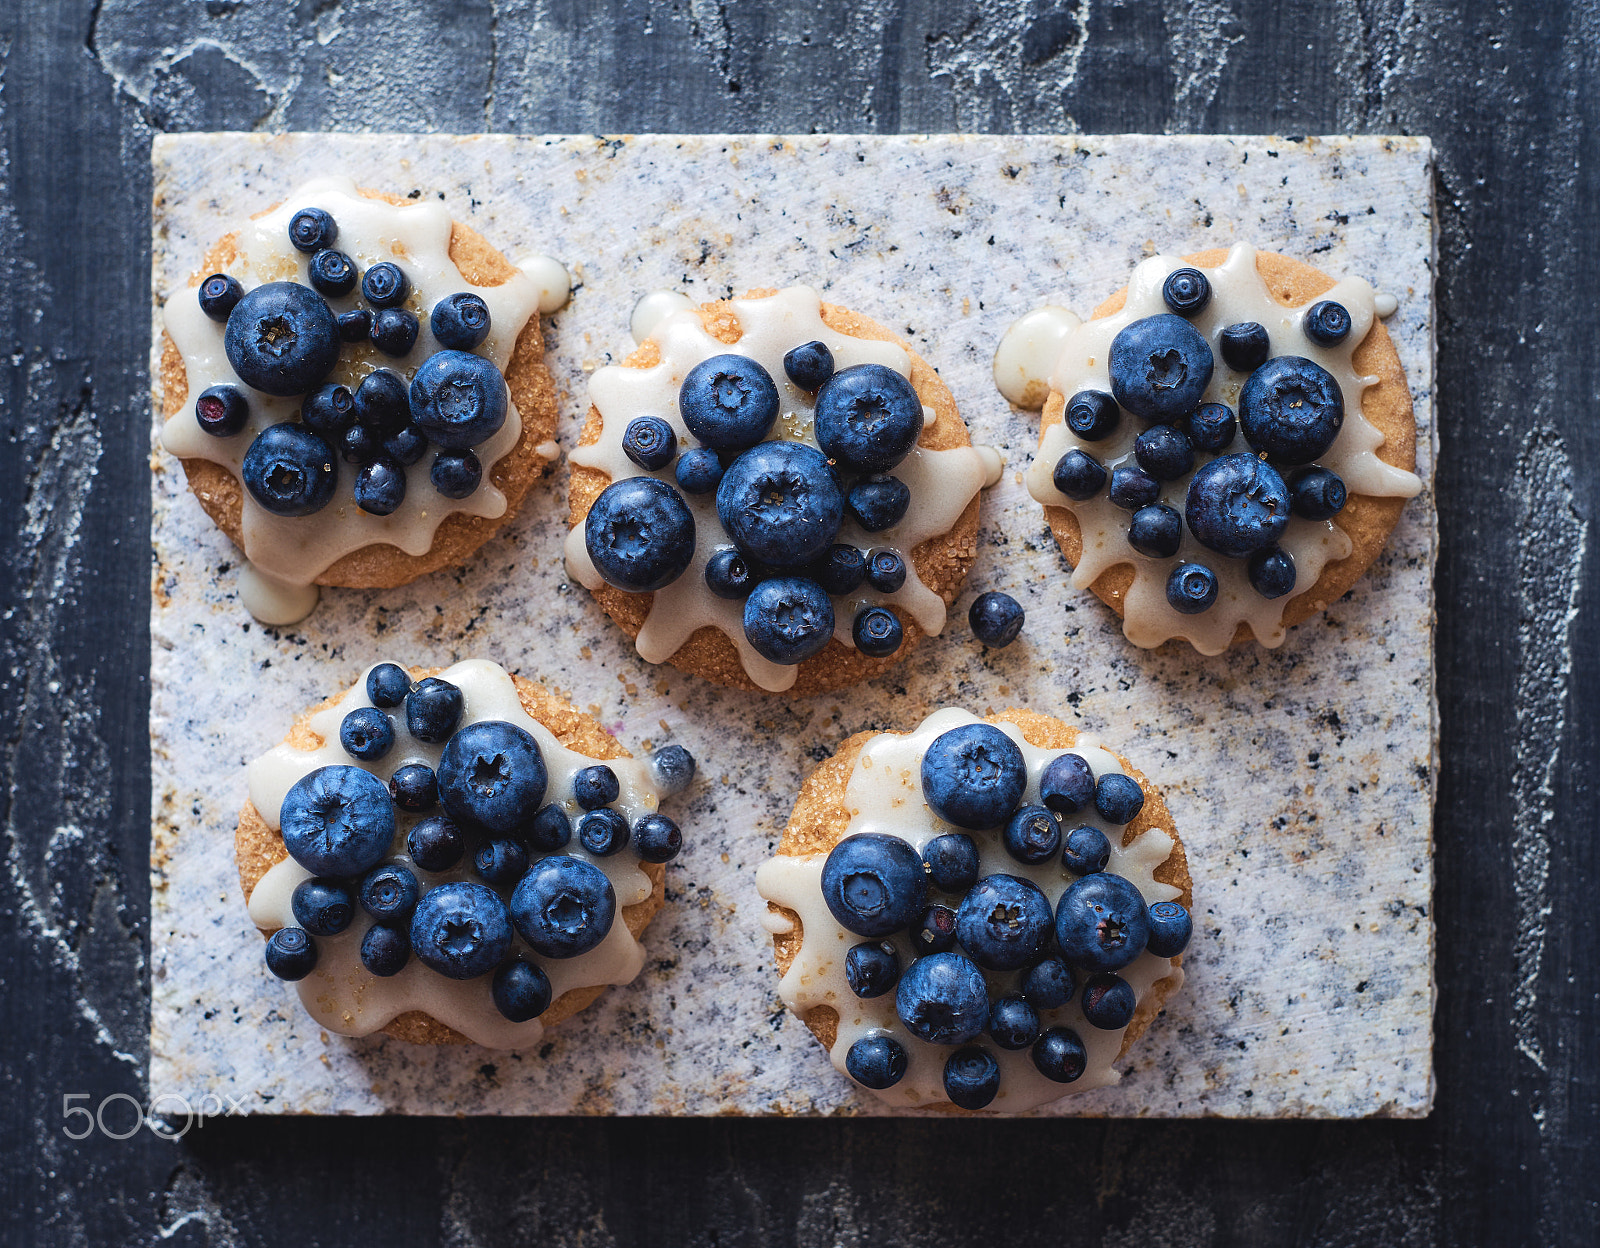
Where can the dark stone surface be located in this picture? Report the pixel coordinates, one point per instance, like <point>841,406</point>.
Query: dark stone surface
<point>1508,93</point>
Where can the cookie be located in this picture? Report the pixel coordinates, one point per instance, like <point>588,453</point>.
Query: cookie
<point>1239,447</point>
<point>323,462</point>
<point>773,493</point>
<point>525,823</point>
<point>981,914</point>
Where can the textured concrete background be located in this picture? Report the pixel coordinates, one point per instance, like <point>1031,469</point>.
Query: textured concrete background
<point>1506,91</point>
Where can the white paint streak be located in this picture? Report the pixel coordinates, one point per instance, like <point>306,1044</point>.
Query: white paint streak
<point>1200,34</point>
<point>1025,55</point>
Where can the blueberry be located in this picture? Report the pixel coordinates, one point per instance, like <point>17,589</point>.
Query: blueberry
<point>381,403</point>
<point>639,534</point>
<point>672,768</point>
<point>366,733</point>
<point>595,786</point>
<point>460,321</point>
<point>491,776</point>
<point>435,843</point>
<point>1059,1055</point>
<point>460,929</point>
<point>410,445</point>
<point>886,570</point>
<point>1291,409</point>
<point>867,417</point>
<point>657,838</point>
<point>291,953</point>
<point>1160,367</point>
<point>458,399</point>
<point>650,442</point>
<point>521,991</point>
<point>337,821</point>
<point>1271,572</point>
<point>1108,1001</point>
<point>728,402</point>
<point>394,331</point>
<point>281,338</point>
<point>359,445</point>
<point>385,950</point>
<point>433,708</point>
<point>332,273</point>
<point>219,293</point>
<point>1004,922</point>
<point>1186,292</point>
<point>943,999</point>
<point>1327,323</point>
<point>995,619</point>
<point>971,1078</point>
<point>1164,452</point>
<point>1079,475</point>
<point>356,326</point>
<point>788,619</point>
<point>311,230</point>
<point>1156,531</point>
<point>500,862</point>
<point>841,570</point>
<point>455,474</point>
<point>1170,928</point>
<point>780,502</point>
<point>1191,588</point>
<point>385,285</point>
<point>878,502</point>
<point>414,787</point>
<point>1085,850</point>
<point>729,575</point>
<point>1316,494</point>
<point>380,487</point>
<point>1066,785</point>
<point>322,906</point>
<point>1236,504</point>
<point>809,365</point>
<point>550,830</point>
<point>871,969</point>
<point>1093,415</point>
<point>874,884</point>
<point>973,776</point>
<point>877,1062</point>
<point>876,632</point>
<point>1245,346</point>
<point>1013,1023</point>
<point>1212,427</point>
<point>699,470</point>
<point>1132,487</point>
<point>1101,924</point>
<point>934,932</point>
<point>1032,834</point>
<point>222,411</point>
<point>603,832</point>
<point>952,862</point>
<point>389,893</point>
<point>387,685</point>
<point>328,411</point>
<point>1118,798</point>
<point>1048,984</point>
<point>289,470</point>
<point>563,906</point>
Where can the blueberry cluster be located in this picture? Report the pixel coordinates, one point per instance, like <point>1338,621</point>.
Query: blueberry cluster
<point>283,339</point>
<point>485,806</point>
<point>989,954</point>
<point>781,503</point>
<point>1290,411</point>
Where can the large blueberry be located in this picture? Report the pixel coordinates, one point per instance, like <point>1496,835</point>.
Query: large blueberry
<point>943,999</point>
<point>639,534</point>
<point>973,776</point>
<point>282,338</point>
<point>788,619</point>
<point>1004,922</point>
<point>564,906</point>
<point>289,470</point>
<point>780,502</point>
<point>971,1078</point>
<point>337,821</point>
<point>868,417</point>
<point>728,402</point>
<point>492,776</point>
<point>1101,924</point>
<point>460,929</point>
<point>877,1061</point>
<point>1236,504</point>
<point>1160,367</point>
<point>1291,408</point>
<point>874,884</point>
<point>458,399</point>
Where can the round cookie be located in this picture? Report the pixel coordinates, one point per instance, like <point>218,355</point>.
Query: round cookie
<point>940,562</point>
<point>823,815</point>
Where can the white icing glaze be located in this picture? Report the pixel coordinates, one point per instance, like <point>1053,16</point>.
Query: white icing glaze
<point>1238,293</point>
<point>1385,304</point>
<point>273,601</point>
<point>654,308</point>
<point>884,795</point>
<point>344,996</point>
<point>942,483</point>
<point>551,279</point>
<point>1030,346</point>
<point>294,551</point>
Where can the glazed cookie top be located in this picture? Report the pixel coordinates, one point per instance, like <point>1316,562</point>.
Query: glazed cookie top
<point>1211,438</point>
<point>773,489</point>
<point>988,923</point>
<point>348,375</point>
<point>448,855</point>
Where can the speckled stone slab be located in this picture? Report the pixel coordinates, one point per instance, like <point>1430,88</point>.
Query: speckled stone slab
<point>1301,779</point>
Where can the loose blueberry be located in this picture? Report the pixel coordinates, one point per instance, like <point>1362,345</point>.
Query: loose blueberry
<point>521,991</point>
<point>1059,1055</point>
<point>456,474</point>
<point>491,776</point>
<point>460,929</point>
<point>458,399</point>
<point>328,411</point>
<point>1191,588</point>
<point>1271,572</point>
<point>410,445</point>
<point>1237,504</point>
<point>1316,494</point>
<point>289,470</point>
<point>788,619</point>
<point>219,294</point>
<point>1186,292</point>
<point>433,707</point>
<point>1004,922</point>
<point>460,321</point>
<point>222,411</point>
<point>603,832</point>
<point>312,230</point>
<point>359,446</point>
<point>366,733</point>
<point>596,786</point>
<point>1085,850</point>
<point>878,502</point>
<point>877,1062</point>
<point>1156,531</point>
<point>1245,346</point>
<point>809,365</point>
<point>414,788</point>
<point>1013,1023</point>
<point>971,1078</point>
<point>563,907</point>
<point>874,884</point>
<point>952,862</point>
<point>877,632</point>
<point>1066,785</point>
<point>356,326</point>
<point>699,470</point>
<point>435,843</point>
<point>380,487</point>
<point>322,906</point>
<point>934,932</point>
<point>650,442</point>
<point>996,619</point>
<point>1048,984</point>
<point>550,830</point>
<point>841,570</point>
<point>385,950</point>
<point>639,534</point>
<point>871,969</point>
<point>1160,367</point>
<point>728,402</point>
<point>394,331</point>
<point>282,338</point>
<point>657,838</point>
<point>973,776</point>
<point>1327,323</point>
<point>388,684</point>
<point>943,999</point>
<point>1212,427</point>
<point>886,570</point>
<point>332,273</point>
<point>729,575</point>
<point>867,417</point>
<point>1108,1001</point>
<point>382,403</point>
<point>1132,487</point>
<point>1032,834</point>
<point>1093,415</point>
<point>291,953</point>
<point>672,767</point>
<point>500,862</point>
<point>1079,475</point>
<point>1170,928</point>
<point>1118,798</point>
<point>385,285</point>
<point>781,503</point>
<point>1101,924</point>
<point>389,893</point>
<point>337,821</point>
<point>1291,409</point>
<point>1164,452</point>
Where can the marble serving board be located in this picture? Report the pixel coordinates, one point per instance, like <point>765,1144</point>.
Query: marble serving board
<point>1301,779</point>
